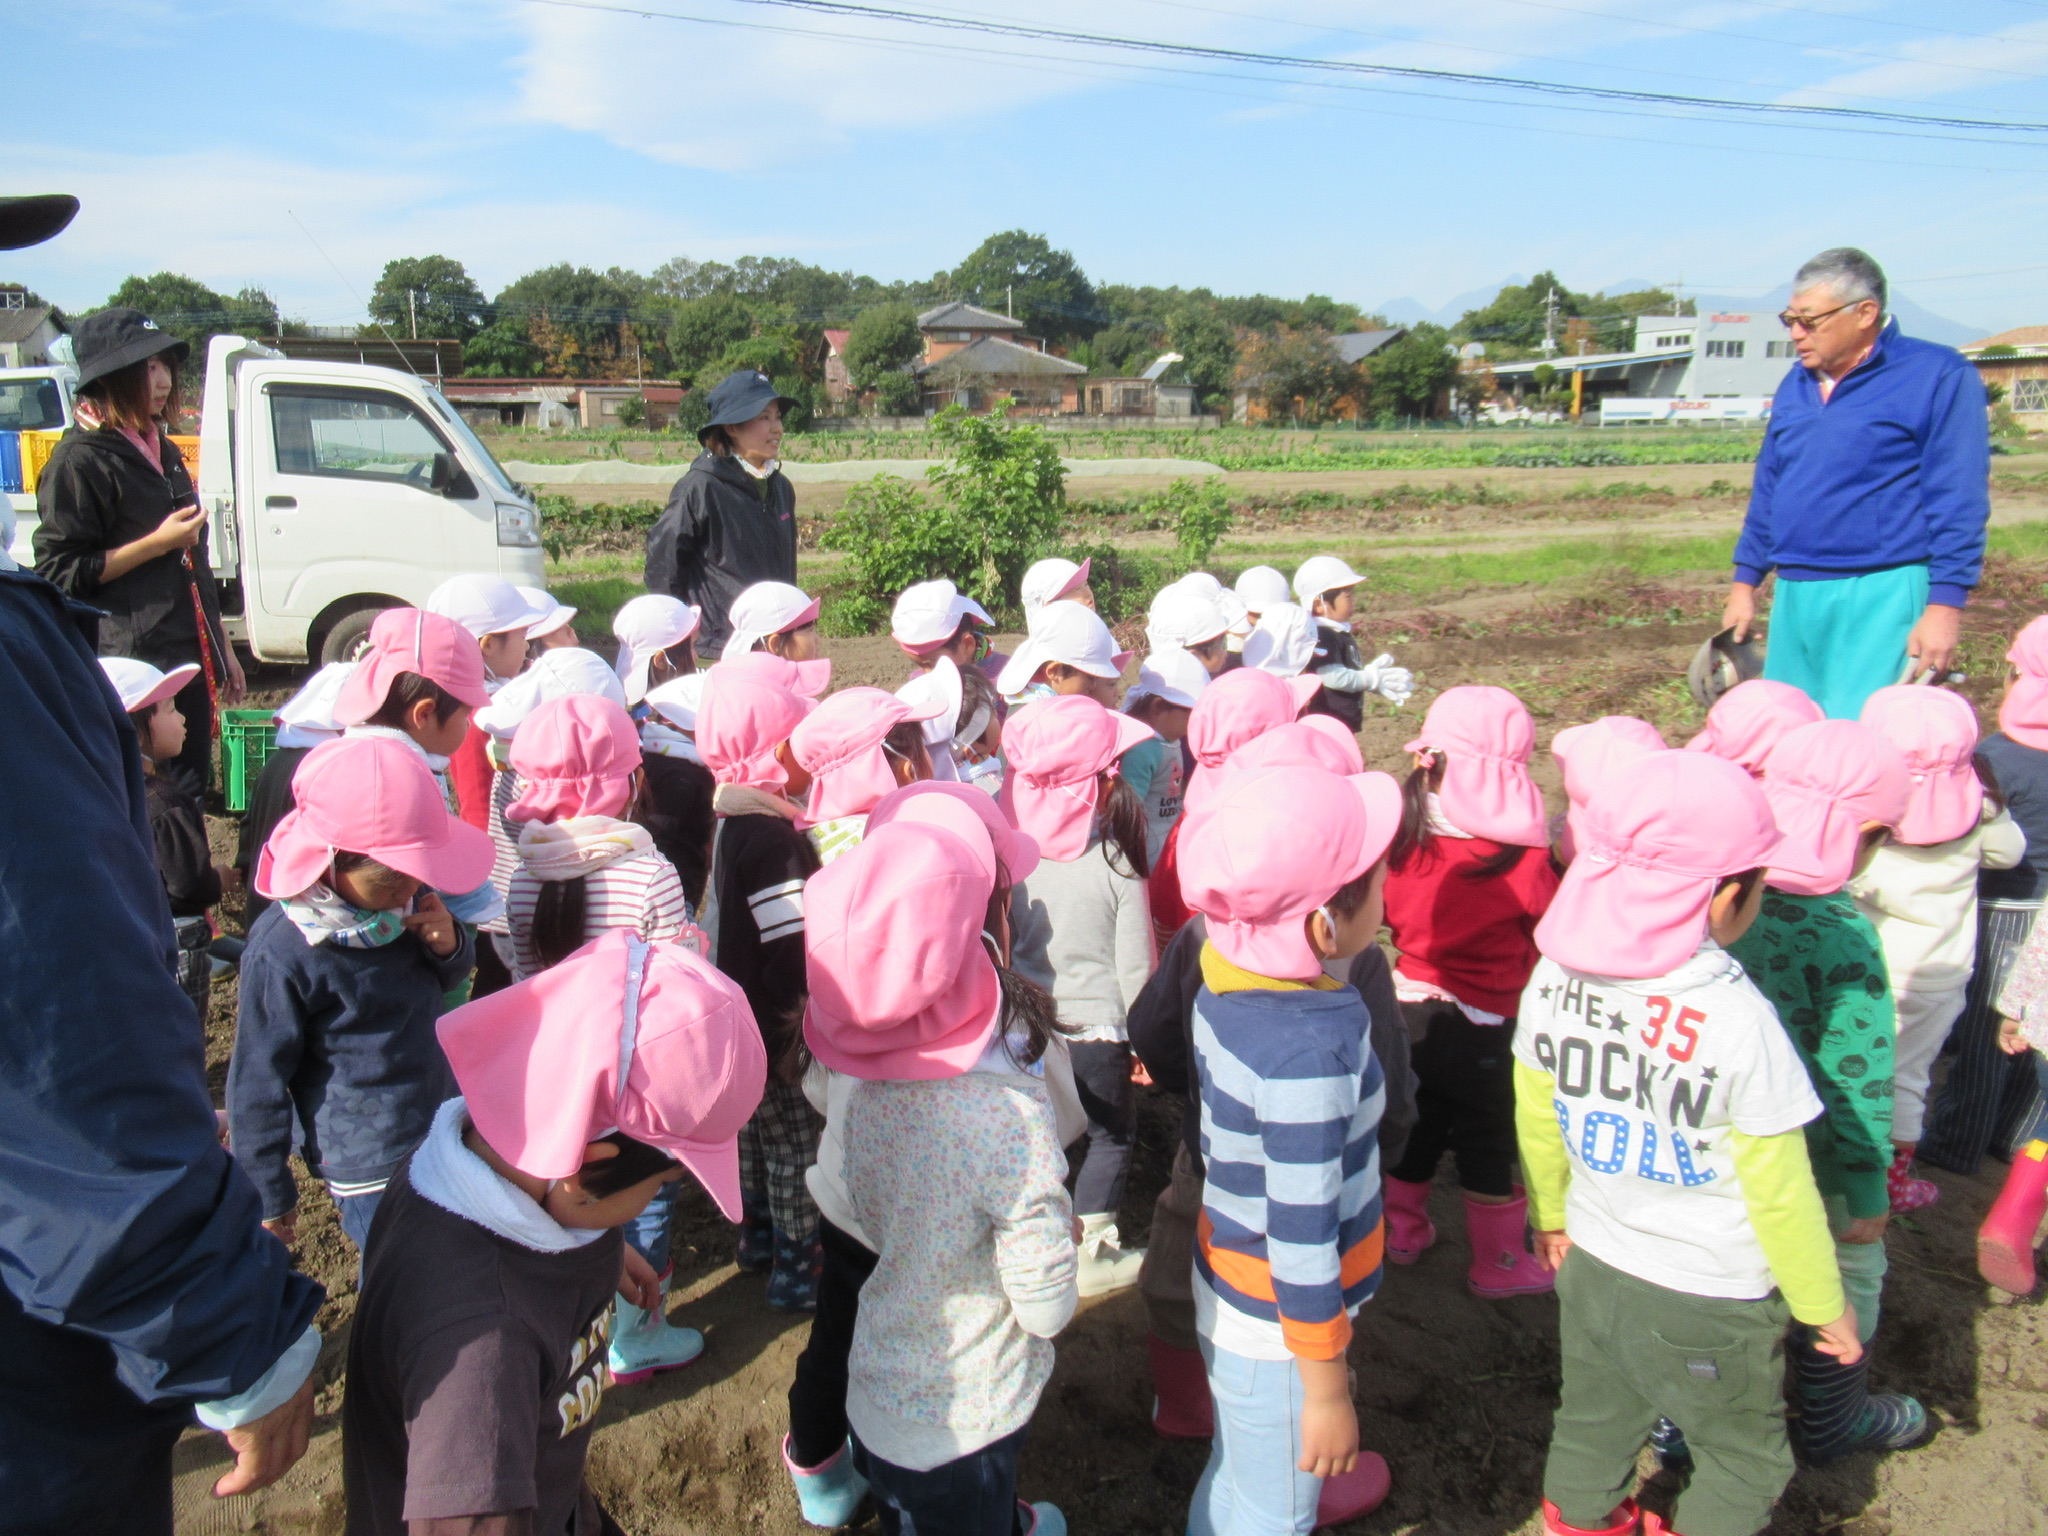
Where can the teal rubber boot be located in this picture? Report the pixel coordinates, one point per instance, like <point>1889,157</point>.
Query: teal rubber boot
<point>643,1343</point>
<point>830,1493</point>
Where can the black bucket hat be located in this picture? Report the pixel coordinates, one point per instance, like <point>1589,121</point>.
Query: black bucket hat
<point>741,397</point>
<point>117,338</point>
<point>27,221</point>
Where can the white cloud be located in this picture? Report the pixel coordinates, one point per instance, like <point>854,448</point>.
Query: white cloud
<point>1942,65</point>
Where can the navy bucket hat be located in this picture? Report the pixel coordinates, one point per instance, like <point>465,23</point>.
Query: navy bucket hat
<point>741,397</point>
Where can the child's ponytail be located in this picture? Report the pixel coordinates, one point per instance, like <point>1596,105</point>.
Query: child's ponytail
<point>1123,826</point>
<point>1414,835</point>
<point>558,917</point>
<point>1027,1008</point>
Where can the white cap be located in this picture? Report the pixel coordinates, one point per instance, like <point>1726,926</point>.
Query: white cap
<point>307,718</point>
<point>1261,587</point>
<point>648,624</point>
<point>677,700</point>
<point>1050,580</point>
<point>1069,634</point>
<point>1283,642</point>
<point>555,614</point>
<point>937,689</point>
<point>1174,675</point>
<point>1185,613</point>
<point>768,608</point>
<point>1320,574</point>
<point>141,685</point>
<point>562,673</point>
<point>929,614</point>
<point>483,605</point>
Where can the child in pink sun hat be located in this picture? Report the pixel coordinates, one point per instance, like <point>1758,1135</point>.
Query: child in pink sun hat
<point>1920,893</point>
<point>1660,1105</point>
<point>1084,933</point>
<point>477,1359</point>
<point>1588,755</point>
<point>1468,879</point>
<point>1837,790</point>
<point>857,746</point>
<point>1286,864</point>
<point>1748,720</point>
<point>343,975</point>
<point>949,1251</point>
<point>755,915</point>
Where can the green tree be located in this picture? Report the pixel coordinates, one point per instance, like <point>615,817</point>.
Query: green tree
<point>898,394</point>
<point>443,298</point>
<point>894,536</point>
<point>703,328</point>
<point>1208,348</point>
<point>1296,373</point>
<point>188,309</point>
<point>501,351</point>
<point>1053,296</point>
<point>1513,321</point>
<point>1408,375</point>
<point>1004,482</point>
<point>586,307</point>
<point>881,341</point>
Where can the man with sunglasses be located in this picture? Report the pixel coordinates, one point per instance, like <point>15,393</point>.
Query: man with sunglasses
<point>1871,496</point>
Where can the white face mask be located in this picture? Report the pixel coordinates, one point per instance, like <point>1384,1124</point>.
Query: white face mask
<point>986,774</point>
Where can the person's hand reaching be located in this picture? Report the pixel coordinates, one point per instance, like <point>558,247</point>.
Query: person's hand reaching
<point>434,925</point>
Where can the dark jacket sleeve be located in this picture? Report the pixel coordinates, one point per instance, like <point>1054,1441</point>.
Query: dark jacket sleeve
<point>183,856</point>
<point>1162,1027</point>
<point>78,504</point>
<point>675,555</point>
<point>1374,979</point>
<point>278,1002</point>
<point>121,1218</point>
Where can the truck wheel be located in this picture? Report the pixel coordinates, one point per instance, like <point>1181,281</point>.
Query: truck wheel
<point>351,632</point>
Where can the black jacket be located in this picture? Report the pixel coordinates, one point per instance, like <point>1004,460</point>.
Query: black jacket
<point>722,530</point>
<point>183,856</point>
<point>1337,648</point>
<point>134,1277</point>
<point>97,493</point>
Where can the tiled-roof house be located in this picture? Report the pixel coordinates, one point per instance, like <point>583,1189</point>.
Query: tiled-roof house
<point>2018,362</point>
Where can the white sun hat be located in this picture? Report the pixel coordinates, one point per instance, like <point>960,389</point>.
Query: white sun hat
<point>928,615</point>
<point>554,614</point>
<point>562,673</point>
<point>1174,675</point>
<point>646,625</point>
<point>1069,634</point>
<point>307,718</point>
<point>1050,580</point>
<point>1260,587</point>
<point>1320,574</point>
<point>1283,642</point>
<point>484,605</point>
<point>768,608</point>
<point>1184,614</point>
<point>141,685</point>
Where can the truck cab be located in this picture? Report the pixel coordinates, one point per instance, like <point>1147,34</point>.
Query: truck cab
<point>336,490</point>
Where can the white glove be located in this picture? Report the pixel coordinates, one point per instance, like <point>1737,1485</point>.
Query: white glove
<point>1394,684</point>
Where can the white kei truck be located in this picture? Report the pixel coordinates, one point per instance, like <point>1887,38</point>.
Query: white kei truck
<point>333,491</point>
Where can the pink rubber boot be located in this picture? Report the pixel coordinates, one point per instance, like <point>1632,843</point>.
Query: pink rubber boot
<point>1408,1228</point>
<point>1352,1494</point>
<point>2005,1243</point>
<point>1181,1405</point>
<point>1502,1264</point>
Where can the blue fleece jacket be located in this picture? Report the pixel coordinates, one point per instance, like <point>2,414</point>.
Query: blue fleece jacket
<point>136,1277</point>
<point>335,1054</point>
<point>1893,469</point>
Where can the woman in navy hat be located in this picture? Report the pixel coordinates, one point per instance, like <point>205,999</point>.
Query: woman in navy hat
<point>122,528</point>
<point>731,520</point>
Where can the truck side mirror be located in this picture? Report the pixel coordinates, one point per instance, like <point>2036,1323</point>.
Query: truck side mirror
<point>448,478</point>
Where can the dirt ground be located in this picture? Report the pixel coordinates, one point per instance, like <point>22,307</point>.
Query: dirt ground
<point>1455,1392</point>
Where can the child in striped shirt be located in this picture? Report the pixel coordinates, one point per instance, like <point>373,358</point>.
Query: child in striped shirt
<point>1287,864</point>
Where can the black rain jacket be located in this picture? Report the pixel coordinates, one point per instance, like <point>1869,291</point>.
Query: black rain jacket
<point>723,530</point>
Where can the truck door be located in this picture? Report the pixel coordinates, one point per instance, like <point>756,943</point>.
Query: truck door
<point>359,493</point>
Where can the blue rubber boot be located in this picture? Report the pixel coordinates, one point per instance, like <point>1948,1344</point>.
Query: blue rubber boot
<point>793,1282</point>
<point>830,1493</point>
<point>643,1343</point>
<point>1043,1519</point>
<point>757,1235</point>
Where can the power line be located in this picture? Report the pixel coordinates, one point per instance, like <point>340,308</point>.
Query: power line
<point>1810,112</point>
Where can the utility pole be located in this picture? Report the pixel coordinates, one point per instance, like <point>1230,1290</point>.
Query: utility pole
<point>1010,300</point>
<point>412,312</point>
<point>1550,321</point>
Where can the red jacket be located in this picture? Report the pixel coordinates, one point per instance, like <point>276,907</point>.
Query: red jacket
<point>1474,937</point>
<point>469,770</point>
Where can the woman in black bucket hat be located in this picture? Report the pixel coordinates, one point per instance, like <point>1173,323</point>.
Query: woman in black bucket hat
<point>731,519</point>
<point>122,528</point>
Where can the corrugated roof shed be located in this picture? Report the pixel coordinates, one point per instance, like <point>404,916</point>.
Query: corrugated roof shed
<point>960,316</point>
<point>993,356</point>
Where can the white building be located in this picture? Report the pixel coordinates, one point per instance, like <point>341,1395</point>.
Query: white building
<point>1717,366</point>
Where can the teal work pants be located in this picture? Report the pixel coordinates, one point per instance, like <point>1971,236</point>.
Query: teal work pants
<point>1840,641</point>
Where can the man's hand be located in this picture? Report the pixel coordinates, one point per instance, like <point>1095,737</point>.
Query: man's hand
<point>638,1282</point>
<point>266,1448</point>
<point>1932,644</point>
<point>434,924</point>
<point>1739,612</point>
<point>285,1228</point>
<point>1329,1422</point>
<point>1865,1229</point>
<point>1551,1247</point>
<point>1839,1338</point>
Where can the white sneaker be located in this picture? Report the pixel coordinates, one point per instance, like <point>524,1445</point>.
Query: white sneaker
<point>1105,1265</point>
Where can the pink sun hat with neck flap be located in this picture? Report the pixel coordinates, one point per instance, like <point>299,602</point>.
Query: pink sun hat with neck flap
<point>1057,749</point>
<point>1016,852</point>
<point>839,744</point>
<point>1313,741</point>
<point>2023,713</point>
<point>624,1035</point>
<point>376,796</point>
<point>1485,736</point>
<point>1235,708</point>
<point>412,640</point>
<point>575,756</point>
<point>1273,845</point>
<point>742,717</point>
<point>1823,781</point>
<point>1592,753</point>
<point>1935,731</point>
<point>805,679</point>
<point>901,985</point>
<point>1659,841</point>
<point>1750,718</point>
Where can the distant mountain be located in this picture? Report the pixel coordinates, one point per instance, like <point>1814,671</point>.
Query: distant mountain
<point>1414,312</point>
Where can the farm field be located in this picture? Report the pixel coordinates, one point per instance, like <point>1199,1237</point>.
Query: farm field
<point>1583,600</point>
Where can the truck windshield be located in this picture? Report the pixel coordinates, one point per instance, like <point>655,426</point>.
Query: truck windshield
<point>31,405</point>
<point>474,444</point>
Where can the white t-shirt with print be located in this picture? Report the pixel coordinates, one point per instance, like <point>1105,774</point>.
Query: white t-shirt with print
<point>1651,1077</point>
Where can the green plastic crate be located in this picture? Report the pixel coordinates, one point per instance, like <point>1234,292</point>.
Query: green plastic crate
<point>247,738</point>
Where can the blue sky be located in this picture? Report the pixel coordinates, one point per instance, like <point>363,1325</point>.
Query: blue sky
<point>295,140</point>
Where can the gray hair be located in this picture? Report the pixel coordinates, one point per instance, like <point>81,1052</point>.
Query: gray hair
<point>1851,275</point>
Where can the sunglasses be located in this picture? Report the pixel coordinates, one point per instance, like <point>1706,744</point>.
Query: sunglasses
<point>1793,322</point>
